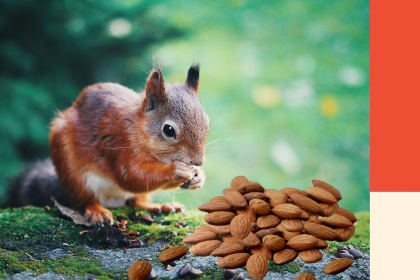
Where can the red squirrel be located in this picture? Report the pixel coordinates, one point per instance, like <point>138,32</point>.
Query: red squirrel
<point>115,143</point>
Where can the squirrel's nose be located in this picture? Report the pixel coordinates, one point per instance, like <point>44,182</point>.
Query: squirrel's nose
<point>197,161</point>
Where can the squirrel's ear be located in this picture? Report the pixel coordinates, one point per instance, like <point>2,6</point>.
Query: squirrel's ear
<point>155,89</point>
<point>193,78</point>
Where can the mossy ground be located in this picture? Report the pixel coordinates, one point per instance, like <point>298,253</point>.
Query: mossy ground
<point>28,233</point>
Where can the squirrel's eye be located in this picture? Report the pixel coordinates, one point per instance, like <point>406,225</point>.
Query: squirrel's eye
<point>169,131</point>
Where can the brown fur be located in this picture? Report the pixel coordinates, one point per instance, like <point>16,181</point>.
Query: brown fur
<point>116,134</point>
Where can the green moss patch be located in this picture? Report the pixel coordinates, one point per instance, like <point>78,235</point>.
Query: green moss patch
<point>292,267</point>
<point>28,234</point>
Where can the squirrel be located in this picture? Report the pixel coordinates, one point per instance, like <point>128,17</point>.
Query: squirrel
<point>114,143</point>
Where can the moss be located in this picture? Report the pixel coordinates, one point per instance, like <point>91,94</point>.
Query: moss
<point>28,233</point>
<point>362,232</point>
<point>12,262</point>
<point>292,267</point>
<point>34,231</point>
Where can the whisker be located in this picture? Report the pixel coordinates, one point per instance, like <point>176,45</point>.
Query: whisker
<point>218,116</point>
<point>214,141</point>
<point>196,198</point>
<point>131,148</point>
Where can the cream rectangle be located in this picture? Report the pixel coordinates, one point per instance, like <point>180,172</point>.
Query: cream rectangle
<point>394,235</point>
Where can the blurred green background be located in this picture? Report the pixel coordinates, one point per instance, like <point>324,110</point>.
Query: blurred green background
<point>285,83</point>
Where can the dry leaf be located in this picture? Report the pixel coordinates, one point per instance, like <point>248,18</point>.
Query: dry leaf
<point>75,216</point>
<point>122,225</point>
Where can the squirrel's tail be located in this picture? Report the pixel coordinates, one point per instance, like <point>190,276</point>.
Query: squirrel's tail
<point>34,185</point>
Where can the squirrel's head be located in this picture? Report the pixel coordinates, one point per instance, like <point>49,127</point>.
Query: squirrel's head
<point>177,125</point>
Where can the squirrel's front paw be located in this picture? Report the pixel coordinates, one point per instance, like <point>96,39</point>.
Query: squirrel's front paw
<point>183,173</point>
<point>197,182</point>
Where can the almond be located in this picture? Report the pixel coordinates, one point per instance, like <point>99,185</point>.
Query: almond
<point>327,209</point>
<point>268,221</point>
<point>205,248</point>
<point>139,270</point>
<point>219,218</point>
<point>215,206</point>
<point>221,230</point>
<point>310,256</point>
<point>321,244</point>
<point>260,207</point>
<point>198,237</point>
<point>336,220</point>
<point>202,228</point>
<point>321,195</point>
<point>274,242</point>
<point>287,211</point>
<point>328,188</point>
<point>218,199</point>
<point>238,181</point>
<point>287,235</point>
<point>289,191</point>
<point>338,266</point>
<point>173,254</point>
<point>250,187</point>
<point>292,224</point>
<point>275,197</point>
<point>257,195</point>
<point>285,256</point>
<point>302,242</point>
<point>344,234</point>
<point>240,226</point>
<point>346,213</point>
<point>314,218</point>
<point>305,203</point>
<point>304,215</point>
<point>247,211</point>
<point>255,228</point>
<point>229,239</point>
<point>250,241</point>
<point>267,231</point>
<point>228,249</point>
<point>305,276</point>
<point>234,261</point>
<point>320,231</point>
<point>262,250</point>
<point>257,266</point>
<point>235,198</point>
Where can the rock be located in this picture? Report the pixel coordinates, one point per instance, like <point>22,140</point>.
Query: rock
<point>341,252</point>
<point>342,248</point>
<point>240,276</point>
<point>152,275</point>
<point>229,273</point>
<point>195,272</point>
<point>148,219</point>
<point>346,255</point>
<point>356,254</point>
<point>184,270</point>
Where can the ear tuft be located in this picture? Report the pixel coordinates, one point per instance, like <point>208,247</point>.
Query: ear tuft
<point>193,78</point>
<point>155,89</point>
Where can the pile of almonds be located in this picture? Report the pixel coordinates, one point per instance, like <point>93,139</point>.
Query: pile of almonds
<point>250,225</point>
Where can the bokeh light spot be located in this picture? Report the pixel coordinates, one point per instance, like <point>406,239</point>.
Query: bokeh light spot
<point>285,157</point>
<point>266,96</point>
<point>329,106</point>
<point>351,76</point>
<point>119,28</point>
